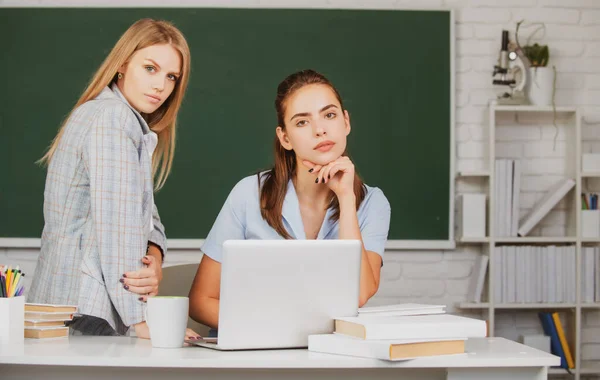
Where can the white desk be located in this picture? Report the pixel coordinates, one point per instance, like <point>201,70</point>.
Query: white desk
<point>109,357</point>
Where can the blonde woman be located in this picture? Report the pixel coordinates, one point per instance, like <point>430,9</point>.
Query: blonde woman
<point>103,242</point>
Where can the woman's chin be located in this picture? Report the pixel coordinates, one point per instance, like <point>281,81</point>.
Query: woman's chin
<point>325,158</point>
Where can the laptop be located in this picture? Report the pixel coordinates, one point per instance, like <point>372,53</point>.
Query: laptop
<point>275,293</point>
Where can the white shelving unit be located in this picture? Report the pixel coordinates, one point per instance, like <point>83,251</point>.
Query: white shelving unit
<point>485,178</point>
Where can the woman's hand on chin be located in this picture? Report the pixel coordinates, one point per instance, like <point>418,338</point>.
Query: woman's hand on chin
<point>338,175</point>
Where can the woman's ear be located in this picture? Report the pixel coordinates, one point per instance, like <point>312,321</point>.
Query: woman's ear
<point>347,121</point>
<point>283,138</point>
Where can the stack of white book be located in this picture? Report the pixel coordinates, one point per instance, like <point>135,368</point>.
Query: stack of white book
<point>590,274</point>
<point>399,332</point>
<point>47,321</point>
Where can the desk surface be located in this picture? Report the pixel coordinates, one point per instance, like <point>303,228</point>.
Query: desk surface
<point>133,352</point>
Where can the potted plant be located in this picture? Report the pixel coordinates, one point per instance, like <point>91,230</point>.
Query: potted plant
<point>540,77</point>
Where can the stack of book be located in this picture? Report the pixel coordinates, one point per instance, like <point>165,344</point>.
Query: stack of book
<point>47,321</point>
<point>399,332</point>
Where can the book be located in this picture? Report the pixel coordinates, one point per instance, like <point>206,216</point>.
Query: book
<point>544,205</point>
<point>48,316</point>
<point>436,326</point>
<point>46,332</point>
<point>48,308</point>
<point>516,196</point>
<point>563,340</point>
<point>478,278</point>
<point>43,323</point>
<point>470,218</point>
<point>550,330</point>
<point>401,309</point>
<point>383,349</point>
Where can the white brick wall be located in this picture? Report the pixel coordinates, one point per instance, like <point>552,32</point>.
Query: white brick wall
<point>573,34</point>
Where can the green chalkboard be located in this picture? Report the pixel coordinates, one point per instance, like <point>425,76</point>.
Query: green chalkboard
<point>393,69</point>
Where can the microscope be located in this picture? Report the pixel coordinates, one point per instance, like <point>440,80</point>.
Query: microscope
<point>510,72</point>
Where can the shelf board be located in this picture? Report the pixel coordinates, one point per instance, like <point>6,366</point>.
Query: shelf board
<point>590,240</point>
<point>590,305</point>
<point>558,371</point>
<point>473,240</point>
<point>590,174</point>
<point>534,108</point>
<point>509,306</point>
<point>536,239</point>
<point>475,173</point>
<point>590,367</point>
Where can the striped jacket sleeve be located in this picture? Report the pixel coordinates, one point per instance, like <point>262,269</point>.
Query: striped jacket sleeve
<point>116,182</point>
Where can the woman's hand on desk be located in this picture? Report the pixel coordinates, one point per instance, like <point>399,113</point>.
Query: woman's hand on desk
<point>144,281</point>
<point>142,331</point>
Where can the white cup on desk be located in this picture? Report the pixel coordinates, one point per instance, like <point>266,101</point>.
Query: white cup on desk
<point>167,320</point>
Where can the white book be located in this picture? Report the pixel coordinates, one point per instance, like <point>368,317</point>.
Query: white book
<point>544,205</point>
<point>561,273</point>
<point>435,326</point>
<point>512,274</point>
<point>573,277</point>
<point>597,273</point>
<point>497,199</point>
<point>498,270</point>
<point>401,309</point>
<point>502,202</point>
<point>516,195</point>
<point>44,328</point>
<point>508,186</point>
<point>504,279</point>
<point>525,273</point>
<point>545,267</point>
<point>477,278</point>
<point>588,271</point>
<point>542,270</point>
<point>471,215</point>
<point>554,278</point>
<point>393,350</point>
<point>520,289</point>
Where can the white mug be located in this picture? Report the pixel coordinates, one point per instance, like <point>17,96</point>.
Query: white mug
<point>167,320</point>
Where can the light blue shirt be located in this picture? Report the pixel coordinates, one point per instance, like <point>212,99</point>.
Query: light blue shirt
<point>240,219</point>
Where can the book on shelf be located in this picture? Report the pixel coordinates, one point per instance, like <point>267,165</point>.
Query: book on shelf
<point>507,196</point>
<point>535,274</point>
<point>544,205</point>
<point>435,326</point>
<point>384,349</point>
<point>550,330</point>
<point>478,278</point>
<point>563,340</point>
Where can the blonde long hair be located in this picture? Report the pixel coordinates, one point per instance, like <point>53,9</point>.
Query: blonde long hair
<point>143,33</point>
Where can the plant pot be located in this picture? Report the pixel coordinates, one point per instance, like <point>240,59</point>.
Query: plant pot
<point>540,81</point>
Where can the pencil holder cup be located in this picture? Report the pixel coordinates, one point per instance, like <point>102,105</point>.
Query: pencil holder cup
<point>12,315</point>
<point>590,223</point>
